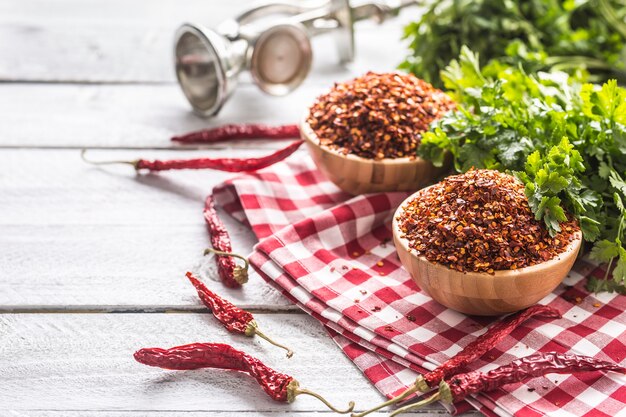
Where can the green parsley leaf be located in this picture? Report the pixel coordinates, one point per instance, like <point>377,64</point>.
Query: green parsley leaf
<point>604,250</point>
<point>619,273</point>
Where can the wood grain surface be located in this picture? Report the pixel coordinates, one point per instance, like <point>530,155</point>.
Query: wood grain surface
<point>92,259</point>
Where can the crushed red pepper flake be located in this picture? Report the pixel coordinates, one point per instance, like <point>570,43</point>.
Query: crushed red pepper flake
<point>410,318</point>
<point>480,221</point>
<point>376,309</point>
<point>377,115</point>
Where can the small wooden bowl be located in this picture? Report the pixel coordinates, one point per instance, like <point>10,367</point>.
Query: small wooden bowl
<point>481,293</point>
<point>357,175</point>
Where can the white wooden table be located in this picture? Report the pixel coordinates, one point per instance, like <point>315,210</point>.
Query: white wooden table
<point>92,260</point>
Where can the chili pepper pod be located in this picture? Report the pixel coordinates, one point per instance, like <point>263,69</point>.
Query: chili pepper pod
<point>234,319</point>
<point>231,274</point>
<point>460,386</point>
<point>280,387</point>
<point>239,131</point>
<point>474,350</point>
<point>220,164</point>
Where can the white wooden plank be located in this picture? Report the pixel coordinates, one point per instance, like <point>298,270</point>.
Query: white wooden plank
<point>121,41</point>
<point>76,236</point>
<point>137,12</point>
<point>127,116</point>
<point>83,362</point>
<point>57,188</point>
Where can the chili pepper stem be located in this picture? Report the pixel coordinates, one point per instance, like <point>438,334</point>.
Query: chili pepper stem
<point>240,274</point>
<point>294,390</point>
<point>420,404</point>
<point>253,329</point>
<point>394,400</point>
<point>134,163</point>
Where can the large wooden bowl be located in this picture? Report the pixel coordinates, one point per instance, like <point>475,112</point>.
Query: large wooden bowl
<point>481,293</point>
<point>357,175</point>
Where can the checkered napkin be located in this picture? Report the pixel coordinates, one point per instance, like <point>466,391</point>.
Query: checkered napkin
<point>330,253</point>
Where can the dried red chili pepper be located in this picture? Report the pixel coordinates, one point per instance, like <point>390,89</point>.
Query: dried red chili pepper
<point>220,164</point>
<point>230,273</point>
<point>279,386</point>
<point>234,319</point>
<point>239,131</point>
<point>460,386</point>
<point>472,351</point>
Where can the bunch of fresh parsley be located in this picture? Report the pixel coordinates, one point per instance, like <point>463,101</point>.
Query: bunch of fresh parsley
<point>564,139</point>
<point>538,34</point>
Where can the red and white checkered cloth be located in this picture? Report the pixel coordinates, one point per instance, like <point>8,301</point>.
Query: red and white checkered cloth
<point>330,253</point>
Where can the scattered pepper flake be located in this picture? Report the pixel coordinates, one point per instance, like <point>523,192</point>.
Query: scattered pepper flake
<point>410,318</point>
<point>376,309</point>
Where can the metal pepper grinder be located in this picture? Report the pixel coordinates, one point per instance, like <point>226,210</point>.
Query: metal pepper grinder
<point>272,41</point>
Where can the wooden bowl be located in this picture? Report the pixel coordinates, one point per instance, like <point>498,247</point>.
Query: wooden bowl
<point>357,175</point>
<point>482,293</point>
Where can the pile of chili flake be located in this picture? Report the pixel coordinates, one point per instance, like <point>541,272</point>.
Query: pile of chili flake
<point>377,116</point>
<point>480,221</point>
